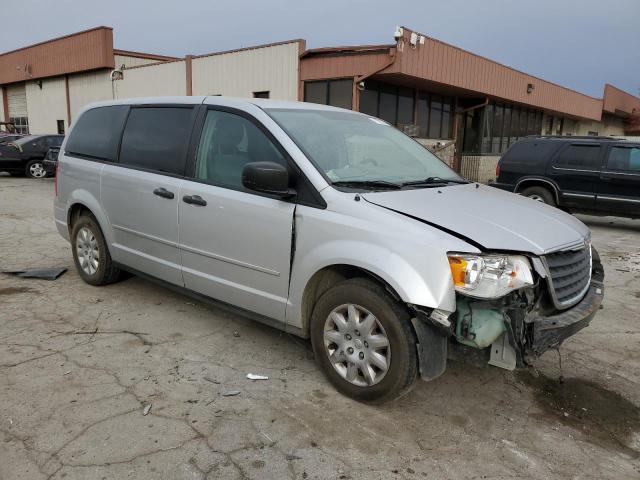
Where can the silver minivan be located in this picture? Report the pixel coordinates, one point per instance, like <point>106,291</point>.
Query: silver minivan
<point>328,224</point>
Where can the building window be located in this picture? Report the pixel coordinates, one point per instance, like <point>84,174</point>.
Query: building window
<point>60,126</point>
<point>548,129</point>
<point>493,129</point>
<point>21,124</point>
<point>264,94</point>
<point>435,115</point>
<point>337,93</point>
<point>592,133</point>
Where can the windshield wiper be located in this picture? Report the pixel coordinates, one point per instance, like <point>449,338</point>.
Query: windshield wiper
<point>368,184</point>
<point>433,180</point>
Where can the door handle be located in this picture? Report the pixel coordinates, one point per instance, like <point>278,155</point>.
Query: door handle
<point>163,192</point>
<point>194,200</point>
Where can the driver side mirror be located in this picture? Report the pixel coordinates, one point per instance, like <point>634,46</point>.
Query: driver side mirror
<point>267,177</point>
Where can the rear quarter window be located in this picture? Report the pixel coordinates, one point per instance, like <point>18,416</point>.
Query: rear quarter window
<point>530,152</point>
<point>155,138</point>
<point>97,133</point>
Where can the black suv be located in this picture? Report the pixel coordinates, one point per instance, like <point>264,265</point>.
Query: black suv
<point>594,175</point>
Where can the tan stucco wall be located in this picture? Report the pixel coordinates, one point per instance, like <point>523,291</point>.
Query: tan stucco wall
<point>239,74</point>
<point>129,62</point>
<point>164,79</point>
<point>89,87</point>
<point>609,125</point>
<point>46,105</point>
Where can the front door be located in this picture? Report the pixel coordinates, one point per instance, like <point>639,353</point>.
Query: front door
<point>576,171</point>
<point>140,193</point>
<point>619,187</point>
<point>235,244</point>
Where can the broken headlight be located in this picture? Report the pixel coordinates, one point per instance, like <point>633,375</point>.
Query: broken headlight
<point>489,276</point>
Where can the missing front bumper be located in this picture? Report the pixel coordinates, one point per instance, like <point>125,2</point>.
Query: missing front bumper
<point>550,332</point>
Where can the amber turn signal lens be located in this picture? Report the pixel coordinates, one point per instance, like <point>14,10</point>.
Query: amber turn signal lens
<point>458,268</point>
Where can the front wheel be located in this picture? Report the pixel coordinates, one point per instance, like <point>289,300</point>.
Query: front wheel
<point>363,341</point>
<point>35,169</point>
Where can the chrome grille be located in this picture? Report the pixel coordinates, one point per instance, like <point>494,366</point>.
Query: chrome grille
<point>569,275</point>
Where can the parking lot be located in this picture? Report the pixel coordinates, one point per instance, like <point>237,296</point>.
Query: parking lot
<point>79,364</point>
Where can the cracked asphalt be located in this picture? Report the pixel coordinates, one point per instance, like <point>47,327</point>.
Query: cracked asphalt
<point>78,365</point>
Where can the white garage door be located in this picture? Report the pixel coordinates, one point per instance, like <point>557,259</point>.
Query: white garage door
<point>17,100</point>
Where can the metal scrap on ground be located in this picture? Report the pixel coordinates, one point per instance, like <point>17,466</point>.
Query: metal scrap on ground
<point>41,273</point>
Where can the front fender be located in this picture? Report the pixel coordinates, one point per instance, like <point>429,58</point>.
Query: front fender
<point>424,282</point>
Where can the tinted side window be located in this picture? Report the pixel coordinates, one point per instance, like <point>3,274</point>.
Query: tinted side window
<point>626,159</point>
<point>228,142</point>
<point>97,133</point>
<point>156,138</point>
<point>530,151</point>
<point>580,156</point>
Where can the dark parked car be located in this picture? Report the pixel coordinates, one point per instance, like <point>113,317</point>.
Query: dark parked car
<point>594,175</point>
<point>9,137</point>
<point>24,156</point>
<point>50,161</point>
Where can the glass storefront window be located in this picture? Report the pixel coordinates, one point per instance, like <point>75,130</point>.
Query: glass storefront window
<point>397,106</point>
<point>503,126</point>
<point>337,93</point>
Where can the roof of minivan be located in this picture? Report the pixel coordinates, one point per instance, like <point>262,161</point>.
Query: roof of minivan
<point>218,100</point>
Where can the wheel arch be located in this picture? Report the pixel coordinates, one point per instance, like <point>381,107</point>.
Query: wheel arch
<point>538,182</point>
<point>84,202</point>
<point>327,277</point>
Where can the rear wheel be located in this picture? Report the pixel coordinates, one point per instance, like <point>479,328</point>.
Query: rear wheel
<point>90,252</point>
<point>363,341</point>
<point>35,169</point>
<point>540,194</point>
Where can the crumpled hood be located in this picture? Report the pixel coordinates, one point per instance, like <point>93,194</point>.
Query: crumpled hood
<point>492,218</point>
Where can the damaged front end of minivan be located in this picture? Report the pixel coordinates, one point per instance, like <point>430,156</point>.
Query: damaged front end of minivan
<point>526,306</point>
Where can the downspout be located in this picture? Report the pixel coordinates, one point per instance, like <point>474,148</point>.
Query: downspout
<point>355,102</point>
<point>388,63</point>
<point>483,104</point>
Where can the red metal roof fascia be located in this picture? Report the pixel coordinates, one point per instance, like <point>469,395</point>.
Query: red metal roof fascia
<point>149,56</point>
<point>446,64</point>
<point>617,101</point>
<point>83,51</point>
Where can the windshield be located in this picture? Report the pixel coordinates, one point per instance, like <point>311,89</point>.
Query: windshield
<point>24,140</point>
<point>349,147</point>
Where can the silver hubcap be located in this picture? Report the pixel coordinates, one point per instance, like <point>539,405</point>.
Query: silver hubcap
<point>357,345</point>
<point>537,198</point>
<point>37,170</point>
<point>87,250</point>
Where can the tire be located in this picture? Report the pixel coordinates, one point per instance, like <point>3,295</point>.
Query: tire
<point>35,169</point>
<point>87,237</point>
<point>367,297</point>
<point>540,194</point>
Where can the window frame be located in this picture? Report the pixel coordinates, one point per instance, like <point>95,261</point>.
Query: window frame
<point>94,158</point>
<point>563,149</point>
<point>327,93</point>
<point>185,148</point>
<point>300,179</point>
<point>21,124</point>
<point>606,167</point>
